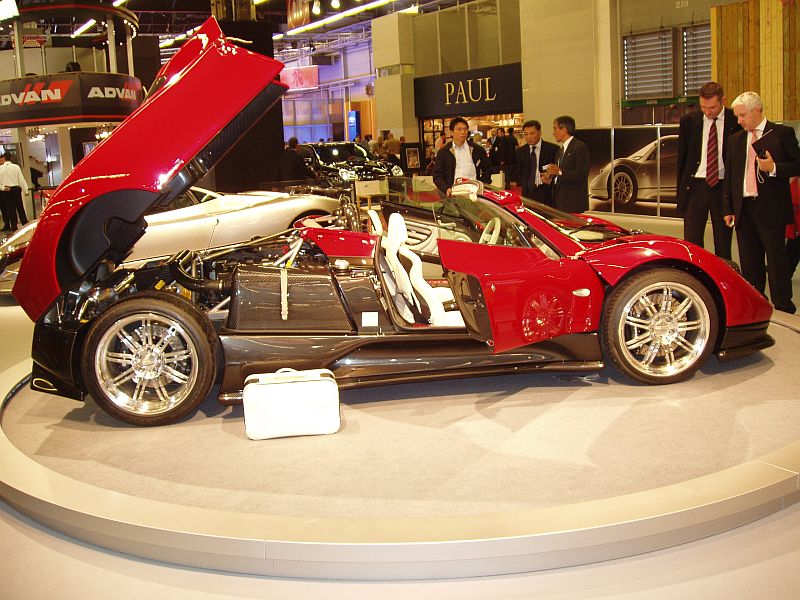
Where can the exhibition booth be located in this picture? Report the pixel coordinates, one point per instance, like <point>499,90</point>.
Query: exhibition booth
<point>496,386</point>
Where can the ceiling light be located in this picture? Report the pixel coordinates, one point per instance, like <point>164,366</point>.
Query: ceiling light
<point>8,9</point>
<point>119,2</point>
<point>316,8</point>
<point>338,16</point>
<point>335,4</point>
<point>104,131</point>
<point>35,134</point>
<point>83,27</point>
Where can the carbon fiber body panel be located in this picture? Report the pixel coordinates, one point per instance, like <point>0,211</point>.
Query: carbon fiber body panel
<point>365,360</point>
<point>314,303</point>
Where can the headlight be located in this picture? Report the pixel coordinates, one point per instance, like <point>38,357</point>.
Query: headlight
<point>347,175</point>
<point>397,171</point>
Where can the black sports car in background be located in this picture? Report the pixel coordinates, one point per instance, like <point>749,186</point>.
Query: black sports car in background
<point>346,161</point>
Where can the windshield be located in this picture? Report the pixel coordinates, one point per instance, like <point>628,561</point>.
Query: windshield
<point>334,153</point>
<point>481,220</point>
<point>458,217</point>
<point>581,228</point>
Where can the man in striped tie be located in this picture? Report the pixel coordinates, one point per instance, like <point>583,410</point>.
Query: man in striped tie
<point>702,140</point>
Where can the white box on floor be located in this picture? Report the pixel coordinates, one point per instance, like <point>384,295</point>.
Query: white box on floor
<point>289,403</point>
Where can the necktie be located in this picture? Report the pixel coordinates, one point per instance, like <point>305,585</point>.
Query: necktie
<point>712,156</point>
<point>535,165</point>
<point>750,185</point>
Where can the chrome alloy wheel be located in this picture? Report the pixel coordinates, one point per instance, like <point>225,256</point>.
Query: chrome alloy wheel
<point>665,329</point>
<point>623,187</point>
<point>146,364</point>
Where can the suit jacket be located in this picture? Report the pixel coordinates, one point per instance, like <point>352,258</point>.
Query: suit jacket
<point>444,171</point>
<point>690,148</point>
<point>500,150</point>
<point>292,167</point>
<point>571,188</point>
<point>774,205</point>
<point>547,155</point>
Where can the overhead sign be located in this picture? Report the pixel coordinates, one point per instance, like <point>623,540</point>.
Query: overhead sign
<point>68,98</point>
<point>301,78</point>
<point>491,90</point>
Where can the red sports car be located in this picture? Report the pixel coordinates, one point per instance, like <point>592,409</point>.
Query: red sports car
<point>415,287</point>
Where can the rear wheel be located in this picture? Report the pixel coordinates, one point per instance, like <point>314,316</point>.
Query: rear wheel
<point>659,326</point>
<point>150,359</point>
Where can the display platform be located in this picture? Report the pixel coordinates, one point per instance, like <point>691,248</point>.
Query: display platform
<point>445,479</point>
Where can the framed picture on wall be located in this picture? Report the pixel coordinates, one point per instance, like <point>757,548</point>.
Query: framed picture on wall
<point>412,158</point>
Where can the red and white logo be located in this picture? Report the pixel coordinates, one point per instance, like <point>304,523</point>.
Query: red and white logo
<point>36,93</point>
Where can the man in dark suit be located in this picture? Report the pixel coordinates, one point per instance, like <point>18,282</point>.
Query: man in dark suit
<point>531,158</point>
<point>570,174</point>
<point>500,153</point>
<point>758,200</point>
<point>291,166</point>
<point>702,141</point>
<point>460,158</point>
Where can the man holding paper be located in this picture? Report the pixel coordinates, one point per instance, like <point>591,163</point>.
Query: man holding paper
<point>757,198</point>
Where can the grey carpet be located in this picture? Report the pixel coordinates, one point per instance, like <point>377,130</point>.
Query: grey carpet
<point>445,448</point>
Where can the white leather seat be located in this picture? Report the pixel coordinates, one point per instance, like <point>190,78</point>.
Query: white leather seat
<point>375,220</point>
<point>433,298</point>
<point>398,281</point>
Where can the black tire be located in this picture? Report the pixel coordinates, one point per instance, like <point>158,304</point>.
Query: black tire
<point>622,186</point>
<point>150,359</point>
<point>659,326</point>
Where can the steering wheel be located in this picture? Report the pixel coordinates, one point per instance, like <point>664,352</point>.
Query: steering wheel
<point>491,232</point>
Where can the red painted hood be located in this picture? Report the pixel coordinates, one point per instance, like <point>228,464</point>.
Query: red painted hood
<point>208,95</point>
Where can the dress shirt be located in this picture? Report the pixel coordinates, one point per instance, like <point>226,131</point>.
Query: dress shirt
<point>464,165</point>
<point>536,152</point>
<point>564,146</point>
<point>701,170</point>
<point>11,176</point>
<point>759,130</point>
<point>563,152</point>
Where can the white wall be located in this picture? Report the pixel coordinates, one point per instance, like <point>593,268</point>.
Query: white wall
<point>570,61</point>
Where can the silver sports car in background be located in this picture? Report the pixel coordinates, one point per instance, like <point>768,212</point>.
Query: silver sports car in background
<point>636,177</point>
<point>195,220</point>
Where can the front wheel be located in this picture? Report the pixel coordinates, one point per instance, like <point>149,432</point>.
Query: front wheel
<point>150,359</point>
<point>659,326</point>
<point>622,187</point>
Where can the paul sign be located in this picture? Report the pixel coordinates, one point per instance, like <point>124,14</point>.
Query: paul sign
<point>491,90</point>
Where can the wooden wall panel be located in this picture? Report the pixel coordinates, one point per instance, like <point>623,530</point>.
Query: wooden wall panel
<point>791,60</point>
<point>734,57</point>
<point>756,46</point>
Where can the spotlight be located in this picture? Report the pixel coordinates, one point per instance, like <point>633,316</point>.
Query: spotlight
<point>316,8</point>
<point>103,131</point>
<point>35,134</point>
<point>335,4</point>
